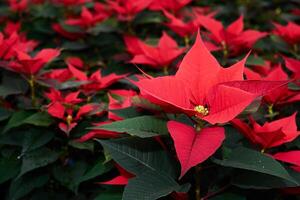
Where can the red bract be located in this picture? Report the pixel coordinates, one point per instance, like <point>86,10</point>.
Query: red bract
<point>96,80</point>
<point>14,42</point>
<point>182,28</point>
<point>127,9</point>
<point>157,57</point>
<point>18,5</point>
<point>69,35</point>
<point>122,179</point>
<point>291,157</point>
<point>281,95</point>
<point>270,134</point>
<point>87,19</point>
<point>170,5</point>
<point>123,101</point>
<point>192,146</point>
<point>63,107</point>
<point>28,65</point>
<point>71,2</point>
<point>289,33</point>
<point>202,88</point>
<point>294,66</point>
<point>232,38</point>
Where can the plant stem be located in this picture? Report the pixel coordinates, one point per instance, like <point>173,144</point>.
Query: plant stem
<point>186,40</point>
<point>165,70</point>
<point>31,82</point>
<point>197,183</point>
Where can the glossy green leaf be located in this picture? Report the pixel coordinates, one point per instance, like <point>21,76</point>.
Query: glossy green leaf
<point>144,126</point>
<point>247,159</point>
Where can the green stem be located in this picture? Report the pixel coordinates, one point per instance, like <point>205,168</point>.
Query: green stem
<point>165,70</point>
<point>31,82</point>
<point>197,183</point>
<point>186,41</point>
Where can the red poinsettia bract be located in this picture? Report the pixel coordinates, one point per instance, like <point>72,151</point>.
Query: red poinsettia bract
<point>157,57</point>
<point>270,134</point>
<point>126,10</point>
<point>202,88</point>
<point>232,39</point>
<point>289,33</point>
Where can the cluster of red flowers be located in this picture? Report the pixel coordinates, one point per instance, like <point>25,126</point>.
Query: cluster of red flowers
<point>173,74</point>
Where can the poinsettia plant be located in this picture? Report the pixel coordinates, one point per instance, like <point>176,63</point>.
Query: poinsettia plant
<point>149,99</point>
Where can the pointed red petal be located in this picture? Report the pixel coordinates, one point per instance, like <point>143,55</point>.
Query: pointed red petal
<point>56,109</point>
<point>291,157</point>
<point>194,147</point>
<point>77,73</point>
<point>167,92</point>
<point>237,26</point>
<point>46,55</point>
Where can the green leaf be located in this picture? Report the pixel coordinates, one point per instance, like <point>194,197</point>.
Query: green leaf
<point>129,112</point>
<point>12,84</point>
<point>4,114</point>
<point>228,196</point>
<point>253,180</point>
<point>37,158</point>
<point>70,175</point>
<point>144,126</point>
<point>247,159</point>
<point>107,195</point>
<point>9,168</point>
<point>98,169</point>
<point>88,145</point>
<point>25,117</point>
<point>148,18</point>
<point>151,185</point>
<point>35,138</point>
<point>152,166</point>
<point>255,60</point>
<point>24,185</point>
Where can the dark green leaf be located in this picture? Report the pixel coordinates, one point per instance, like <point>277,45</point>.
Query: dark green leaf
<point>37,158</point>
<point>247,159</point>
<point>24,185</point>
<point>25,117</point>
<point>9,168</point>
<point>144,126</point>
<point>4,114</point>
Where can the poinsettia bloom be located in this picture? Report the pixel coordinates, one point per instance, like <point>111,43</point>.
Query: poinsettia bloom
<point>96,80</point>
<point>28,65</point>
<point>270,134</point>
<point>71,2</point>
<point>181,27</point>
<point>202,88</point>
<point>294,66</point>
<point>87,19</point>
<point>281,95</point>
<point>63,107</point>
<point>18,5</point>
<point>75,61</point>
<point>13,42</point>
<point>59,75</point>
<point>159,56</point>
<point>69,35</point>
<point>289,33</point>
<point>12,27</point>
<point>123,101</point>
<point>169,5</point>
<point>126,10</point>
<point>193,146</point>
<point>233,38</point>
<point>133,44</point>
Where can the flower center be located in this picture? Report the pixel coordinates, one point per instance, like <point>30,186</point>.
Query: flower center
<point>202,110</point>
<point>69,119</point>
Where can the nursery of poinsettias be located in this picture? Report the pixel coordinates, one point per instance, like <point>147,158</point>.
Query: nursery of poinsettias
<point>149,99</point>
